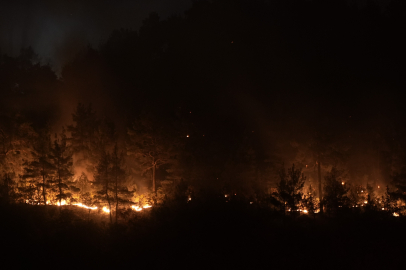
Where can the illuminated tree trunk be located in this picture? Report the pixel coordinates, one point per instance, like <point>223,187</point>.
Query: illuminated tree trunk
<point>107,195</point>
<point>153,177</point>
<point>116,198</point>
<point>320,188</point>
<point>60,186</point>
<point>43,186</point>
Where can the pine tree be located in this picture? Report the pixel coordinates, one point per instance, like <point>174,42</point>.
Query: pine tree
<point>89,137</point>
<point>40,169</point>
<point>62,161</point>
<point>290,187</point>
<point>104,181</point>
<point>121,193</point>
<point>8,189</point>
<point>335,190</point>
<point>152,145</point>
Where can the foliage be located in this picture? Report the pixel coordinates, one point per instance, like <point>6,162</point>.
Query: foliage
<point>290,187</point>
<point>62,161</point>
<point>335,190</point>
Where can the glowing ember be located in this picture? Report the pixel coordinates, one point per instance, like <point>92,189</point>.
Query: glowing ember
<point>362,191</point>
<point>395,214</point>
<point>187,136</point>
<point>85,206</point>
<point>136,208</point>
<point>105,209</point>
<point>379,186</point>
<point>305,211</point>
<point>251,203</point>
<point>383,208</point>
<point>226,195</point>
<point>342,183</point>
<point>147,206</point>
<point>365,202</point>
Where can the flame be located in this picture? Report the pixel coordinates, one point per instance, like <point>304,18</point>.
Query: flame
<point>136,208</point>
<point>395,214</point>
<point>365,202</point>
<point>226,195</point>
<point>342,183</point>
<point>305,211</point>
<point>85,206</point>
<point>147,206</point>
<point>62,202</point>
<point>383,208</point>
<point>105,209</point>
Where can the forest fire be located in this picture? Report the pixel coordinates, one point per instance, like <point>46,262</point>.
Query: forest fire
<point>85,206</point>
<point>62,202</point>
<point>105,209</point>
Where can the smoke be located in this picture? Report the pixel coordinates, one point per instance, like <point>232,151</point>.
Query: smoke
<point>57,30</point>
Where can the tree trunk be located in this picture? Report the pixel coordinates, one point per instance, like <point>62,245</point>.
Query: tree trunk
<point>320,188</point>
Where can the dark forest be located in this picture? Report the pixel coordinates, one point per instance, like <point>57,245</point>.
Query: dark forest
<point>250,134</point>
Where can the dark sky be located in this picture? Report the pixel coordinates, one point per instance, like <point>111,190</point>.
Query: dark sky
<point>58,29</point>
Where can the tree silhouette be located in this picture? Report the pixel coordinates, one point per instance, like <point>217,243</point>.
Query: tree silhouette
<point>290,187</point>
<point>62,161</point>
<point>40,170</point>
<point>335,190</point>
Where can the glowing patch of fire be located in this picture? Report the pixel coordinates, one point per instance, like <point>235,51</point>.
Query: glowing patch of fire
<point>395,214</point>
<point>147,206</point>
<point>136,208</point>
<point>63,202</point>
<point>85,206</point>
<point>105,209</point>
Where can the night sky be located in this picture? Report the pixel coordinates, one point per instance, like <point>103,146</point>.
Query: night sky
<point>58,29</point>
